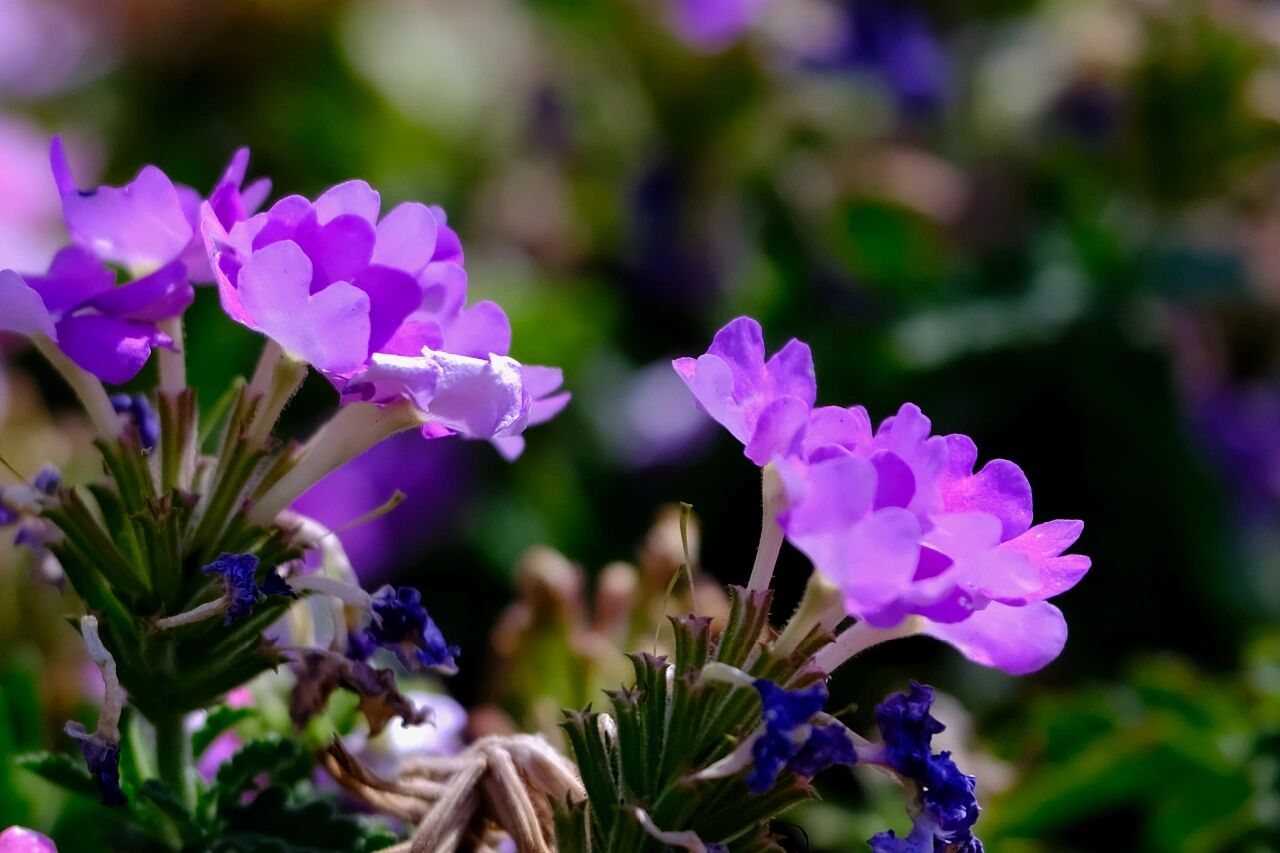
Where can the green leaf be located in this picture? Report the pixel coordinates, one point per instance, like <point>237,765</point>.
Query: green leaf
<point>60,769</point>
<point>276,820</point>
<point>163,798</point>
<point>283,761</point>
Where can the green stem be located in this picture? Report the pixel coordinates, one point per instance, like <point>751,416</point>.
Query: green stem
<point>173,755</point>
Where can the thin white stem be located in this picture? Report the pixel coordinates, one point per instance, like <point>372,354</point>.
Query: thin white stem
<point>275,380</point>
<point>771,535</point>
<point>85,385</point>
<point>687,840</point>
<point>113,697</point>
<point>821,606</point>
<point>173,365</point>
<point>861,637</point>
<point>352,431</point>
<point>196,614</point>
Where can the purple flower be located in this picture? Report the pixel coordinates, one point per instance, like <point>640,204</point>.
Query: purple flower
<point>238,572</point>
<point>103,758</point>
<point>894,42</point>
<point>896,517</point>
<point>377,305</point>
<point>899,520</point>
<point>141,415</point>
<point>788,740</point>
<point>19,839</point>
<point>764,404</point>
<point>107,330</point>
<point>400,623</point>
<point>946,806</point>
<point>712,25</point>
<point>47,480</point>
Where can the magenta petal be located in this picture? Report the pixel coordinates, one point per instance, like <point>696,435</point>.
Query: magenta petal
<point>165,293</point>
<point>1017,640</point>
<point>741,345</point>
<point>21,308</point>
<point>873,561</point>
<point>393,296</point>
<point>140,225</point>
<point>791,369</point>
<point>111,349</point>
<point>339,250</point>
<point>19,839</point>
<point>1043,544</point>
<point>448,245</point>
<point>412,338</point>
<point>254,195</point>
<point>711,380</point>
<point>895,483</point>
<point>1000,488</point>
<point>329,329</point>
<point>832,425</point>
<point>75,275</point>
<point>444,288</point>
<point>478,331</point>
<point>353,198</point>
<point>777,430</point>
<point>509,447</point>
<point>406,238</point>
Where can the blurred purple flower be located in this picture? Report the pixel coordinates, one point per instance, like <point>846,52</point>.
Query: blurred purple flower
<point>1240,427</point>
<point>107,330</point>
<point>30,229</point>
<point>713,25</point>
<point>19,839</point>
<point>646,417</point>
<point>893,42</point>
<point>47,46</point>
<point>429,476</point>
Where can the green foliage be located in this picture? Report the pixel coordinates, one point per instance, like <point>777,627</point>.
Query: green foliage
<point>672,723</point>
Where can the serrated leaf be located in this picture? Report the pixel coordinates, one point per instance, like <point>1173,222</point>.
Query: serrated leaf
<point>163,798</point>
<point>60,769</point>
<point>282,761</point>
<point>274,819</point>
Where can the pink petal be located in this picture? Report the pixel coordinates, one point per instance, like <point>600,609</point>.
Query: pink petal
<point>406,238</point>
<point>479,330</point>
<point>353,198</point>
<point>777,430</point>
<point>1000,488</point>
<point>329,329</point>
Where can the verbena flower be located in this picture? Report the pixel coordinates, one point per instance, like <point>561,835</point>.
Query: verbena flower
<point>945,805</point>
<point>712,25</point>
<point>137,409</point>
<point>376,305</point>
<point>763,404</point>
<point>401,623</point>
<point>106,329</point>
<point>896,517</point>
<point>789,740</point>
<point>238,572</point>
<point>19,839</point>
<point>899,520</point>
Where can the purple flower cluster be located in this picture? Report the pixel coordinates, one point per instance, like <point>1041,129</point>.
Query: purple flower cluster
<point>138,411</point>
<point>896,517</point>
<point>789,740</point>
<point>378,305</point>
<point>946,804</point>
<point>401,623</point>
<point>148,228</point>
<point>239,573</point>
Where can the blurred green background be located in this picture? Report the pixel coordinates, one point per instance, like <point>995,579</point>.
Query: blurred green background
<point>1053,225</point>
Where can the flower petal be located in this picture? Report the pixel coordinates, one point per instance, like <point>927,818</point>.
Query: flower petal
<point>1017,640</point>
<point>406,238</point>
<point>140,225</point>
<point>21,308</point>
<point>329,329</point>
<point>165,293</point>
<point>353,198</point>
<point>75,275</point>
<point>112,349</point>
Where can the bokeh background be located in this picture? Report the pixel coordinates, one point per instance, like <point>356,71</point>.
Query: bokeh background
<point>1053,224</point>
